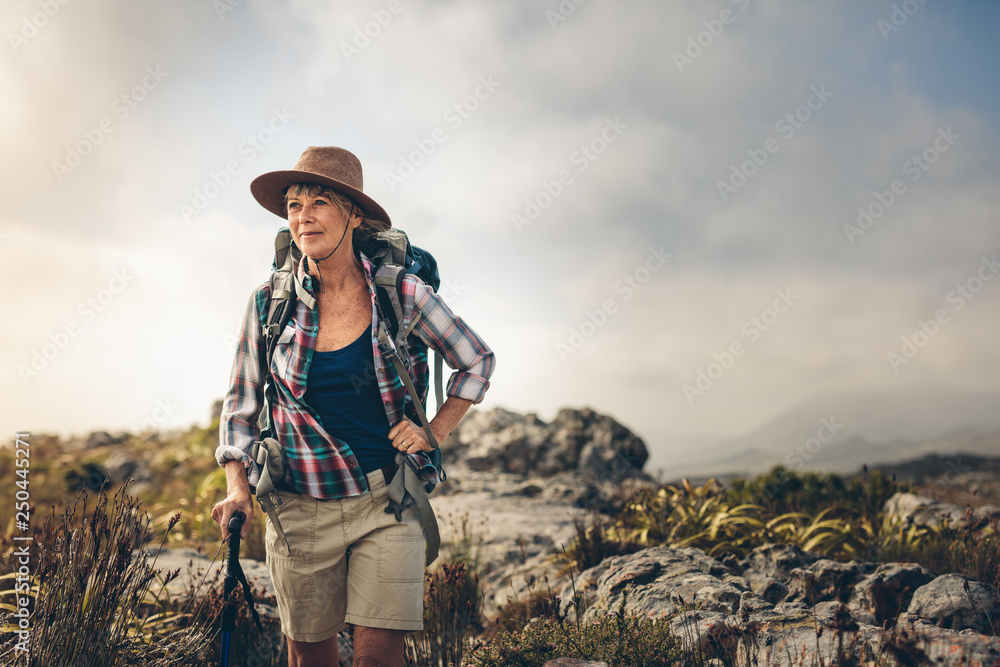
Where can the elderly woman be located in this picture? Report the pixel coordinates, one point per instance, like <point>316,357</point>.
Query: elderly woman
<point>347,560</point>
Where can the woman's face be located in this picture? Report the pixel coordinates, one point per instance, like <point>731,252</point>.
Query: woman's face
<point>317,224</point>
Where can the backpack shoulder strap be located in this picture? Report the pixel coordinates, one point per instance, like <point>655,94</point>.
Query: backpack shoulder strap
<point>285,290</point>
<point>389,295</point>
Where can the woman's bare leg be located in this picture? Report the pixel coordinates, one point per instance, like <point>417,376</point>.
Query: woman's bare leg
<point>314,654</point>
<point>378,647</point>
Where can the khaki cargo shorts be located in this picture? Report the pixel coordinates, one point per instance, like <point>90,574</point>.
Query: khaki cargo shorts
<point>350,563</point>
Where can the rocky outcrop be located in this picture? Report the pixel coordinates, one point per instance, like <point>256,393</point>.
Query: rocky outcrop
<point>580,441</point>
<point>94,440</point>
<point>828,605</point>
<point>528,481</point>
<point>956,602</point>
<point>912,509</point>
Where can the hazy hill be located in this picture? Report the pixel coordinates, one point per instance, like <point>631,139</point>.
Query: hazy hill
<point>839,432</point>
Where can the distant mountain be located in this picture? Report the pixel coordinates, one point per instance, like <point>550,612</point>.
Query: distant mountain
<point>839,432</point>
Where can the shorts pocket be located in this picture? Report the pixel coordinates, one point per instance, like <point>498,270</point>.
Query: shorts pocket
<point>401,558</point>
<point>401,545</point>
<point>293,576</point>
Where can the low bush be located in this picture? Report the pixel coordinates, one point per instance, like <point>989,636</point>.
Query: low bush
<point>781,491</point>
<point>93,595</point>
<point>517,612</point>
<point>618,639</point>
<point>839,517</point>
<point>972,550</point>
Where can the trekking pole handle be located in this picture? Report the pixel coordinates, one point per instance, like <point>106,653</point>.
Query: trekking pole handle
<point>235,527</point>
<point>236,522</point>
<point>230,581</point>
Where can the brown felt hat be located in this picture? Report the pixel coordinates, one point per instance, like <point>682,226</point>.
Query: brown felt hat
<point>335,167</point>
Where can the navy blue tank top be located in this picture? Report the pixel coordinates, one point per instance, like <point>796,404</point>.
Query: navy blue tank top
<point>344,392</point>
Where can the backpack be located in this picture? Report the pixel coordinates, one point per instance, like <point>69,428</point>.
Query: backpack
<point>393,258</point>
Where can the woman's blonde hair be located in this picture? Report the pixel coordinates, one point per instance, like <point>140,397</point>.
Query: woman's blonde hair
<point>364,235</point>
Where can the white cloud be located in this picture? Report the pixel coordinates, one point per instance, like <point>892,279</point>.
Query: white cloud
<point>655,184</point>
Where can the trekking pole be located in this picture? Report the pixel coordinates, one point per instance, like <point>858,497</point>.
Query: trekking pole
<point>229,584</point>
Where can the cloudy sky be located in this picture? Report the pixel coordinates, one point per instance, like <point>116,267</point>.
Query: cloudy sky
<point>691,216</point>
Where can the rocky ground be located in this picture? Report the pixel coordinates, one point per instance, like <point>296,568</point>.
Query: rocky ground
<point>781,605</point>
<point>772,603</point>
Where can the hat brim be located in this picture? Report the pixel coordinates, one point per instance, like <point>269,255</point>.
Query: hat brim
<point>269,191</point>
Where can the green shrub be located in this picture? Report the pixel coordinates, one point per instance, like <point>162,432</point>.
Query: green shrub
<point>594,542</point>
<point>839,517</point>
<point>618,639</point>
<point>973,550</point>
<point>781,491</point>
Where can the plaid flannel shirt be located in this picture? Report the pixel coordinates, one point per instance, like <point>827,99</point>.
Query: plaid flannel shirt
<point>319,464</point>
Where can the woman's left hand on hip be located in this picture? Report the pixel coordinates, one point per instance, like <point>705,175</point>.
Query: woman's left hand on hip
<point>408,437</point>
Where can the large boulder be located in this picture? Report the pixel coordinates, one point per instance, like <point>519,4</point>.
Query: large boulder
<point>657,583</point>
<point>911,509</point>
<point>827,580</point>
<point>713,610</point>
<point>957,602</point>
<point>580,441</point>
<point>888,591</point>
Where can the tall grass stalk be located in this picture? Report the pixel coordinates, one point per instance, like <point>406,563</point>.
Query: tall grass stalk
<point>92,604</point>
<point>451,619</point>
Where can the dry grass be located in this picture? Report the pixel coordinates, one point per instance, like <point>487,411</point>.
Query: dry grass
<point>96,597</point>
